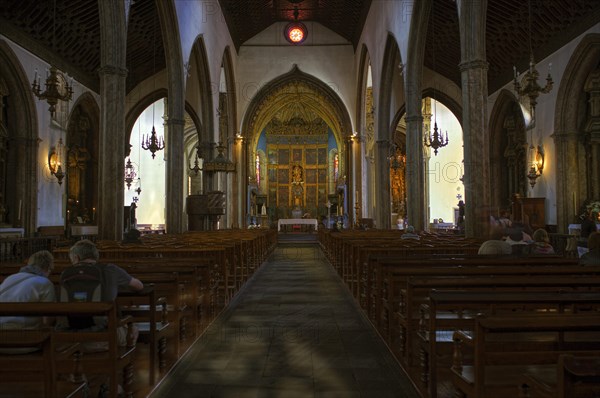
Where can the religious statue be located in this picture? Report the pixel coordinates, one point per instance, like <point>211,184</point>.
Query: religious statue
<point>297,174</point>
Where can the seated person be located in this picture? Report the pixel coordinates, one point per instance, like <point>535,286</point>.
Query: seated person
<point>517,243</point>
<point>30,284</point>
<point>587,227</point>
<point>85,253</point>
<point>592,257</point>
<point>541,243</point>
<point>409,233</point>
<point>495,247</point>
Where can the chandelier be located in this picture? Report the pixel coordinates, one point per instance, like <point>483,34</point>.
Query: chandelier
<point>531,88</point>
<point>130,173</point>
<point>196,169</point>
<point>52,94</point>
<point>153,143</point>
<point>435,140</point>
<point>54,91</point>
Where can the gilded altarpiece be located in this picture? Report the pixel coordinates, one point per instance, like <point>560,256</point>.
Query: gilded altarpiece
<point>297,166</point>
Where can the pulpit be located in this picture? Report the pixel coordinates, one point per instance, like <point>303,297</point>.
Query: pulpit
<point>205,210</point>
<point>530,210</point>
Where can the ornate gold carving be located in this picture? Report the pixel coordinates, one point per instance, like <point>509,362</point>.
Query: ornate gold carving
<point>297,126</point>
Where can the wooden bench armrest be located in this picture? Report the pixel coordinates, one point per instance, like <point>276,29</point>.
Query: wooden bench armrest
<point>531,383</point>
<point>125,320</point>
<point>463,335</point>
<point>581,366</point>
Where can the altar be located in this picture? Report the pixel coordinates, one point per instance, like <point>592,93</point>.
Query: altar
<point>297,221</point>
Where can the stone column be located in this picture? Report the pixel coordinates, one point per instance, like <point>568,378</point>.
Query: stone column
<point>473,69</point>
<point>415,173</point>
<point>567,164</point>
<point>174,175</point>
<point>382,181</point>
<point>111,162</point>
<point>357,177</point>
<point>206,153</point>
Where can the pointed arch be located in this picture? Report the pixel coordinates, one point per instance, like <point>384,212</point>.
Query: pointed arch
<point>202,71</point>
<point>82,158</point>
<point>569,119</point>
<point>505,152</point>
<point>383,133</point>
<point>262,106</point>
<point>22,127</point>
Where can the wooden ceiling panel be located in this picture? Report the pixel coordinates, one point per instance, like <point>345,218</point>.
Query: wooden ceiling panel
<point>66,33</point>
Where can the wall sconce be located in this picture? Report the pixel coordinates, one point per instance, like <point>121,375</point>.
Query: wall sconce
<point>355,137</point>
<point>55,161</point>
<point>537,166</point>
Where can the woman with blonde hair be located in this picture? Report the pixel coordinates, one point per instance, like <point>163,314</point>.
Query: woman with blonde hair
<point>541,243</point>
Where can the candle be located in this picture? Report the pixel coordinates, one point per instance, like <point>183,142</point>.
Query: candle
<point>19,210</point>
<point>93,214</point>
<point>574,202</point>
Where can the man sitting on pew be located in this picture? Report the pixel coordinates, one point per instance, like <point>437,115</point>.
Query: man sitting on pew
<point>30,284</point>
<point>85,254</point>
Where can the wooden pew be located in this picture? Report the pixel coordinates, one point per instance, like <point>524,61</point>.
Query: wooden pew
<point>149,314</point>
<point>447,311</point>
<point>418,290</point>
<point>576,377</point>
<point>111,362</point>
<point>25,368</point>
<point>502,348</point>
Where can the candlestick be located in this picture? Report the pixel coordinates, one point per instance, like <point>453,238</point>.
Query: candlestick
<point>93,214</point>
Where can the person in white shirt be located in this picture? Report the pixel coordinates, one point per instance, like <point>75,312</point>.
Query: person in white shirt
<point>30,284</point>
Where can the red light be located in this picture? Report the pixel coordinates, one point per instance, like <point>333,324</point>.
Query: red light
<point>296,35</point>
<point>295,32</point>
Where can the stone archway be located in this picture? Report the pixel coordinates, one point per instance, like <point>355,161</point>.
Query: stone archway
<point>507,151</point>
<point>297,102</point>
<point>570,120</point>
<point>81,182</point>
<point>19,122</point>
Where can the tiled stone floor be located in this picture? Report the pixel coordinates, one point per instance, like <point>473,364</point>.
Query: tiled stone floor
<point>293,331</point>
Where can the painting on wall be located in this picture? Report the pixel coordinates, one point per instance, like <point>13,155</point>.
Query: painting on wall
<point>311,156</point>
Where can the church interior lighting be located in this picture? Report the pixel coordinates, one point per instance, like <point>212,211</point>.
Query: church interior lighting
<point>55,161</point>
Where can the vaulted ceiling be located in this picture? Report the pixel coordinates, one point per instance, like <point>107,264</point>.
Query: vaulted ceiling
<point>67,33</point>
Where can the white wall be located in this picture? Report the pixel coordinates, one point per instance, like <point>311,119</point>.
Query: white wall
<point>51,195</point>
<point>325,55</point>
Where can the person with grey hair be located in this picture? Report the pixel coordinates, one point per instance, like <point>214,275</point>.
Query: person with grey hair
<point>85,253</point>
<point>30,284</point>
<point>495,247</point>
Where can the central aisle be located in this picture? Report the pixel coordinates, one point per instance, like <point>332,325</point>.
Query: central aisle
<point>293,331</point>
